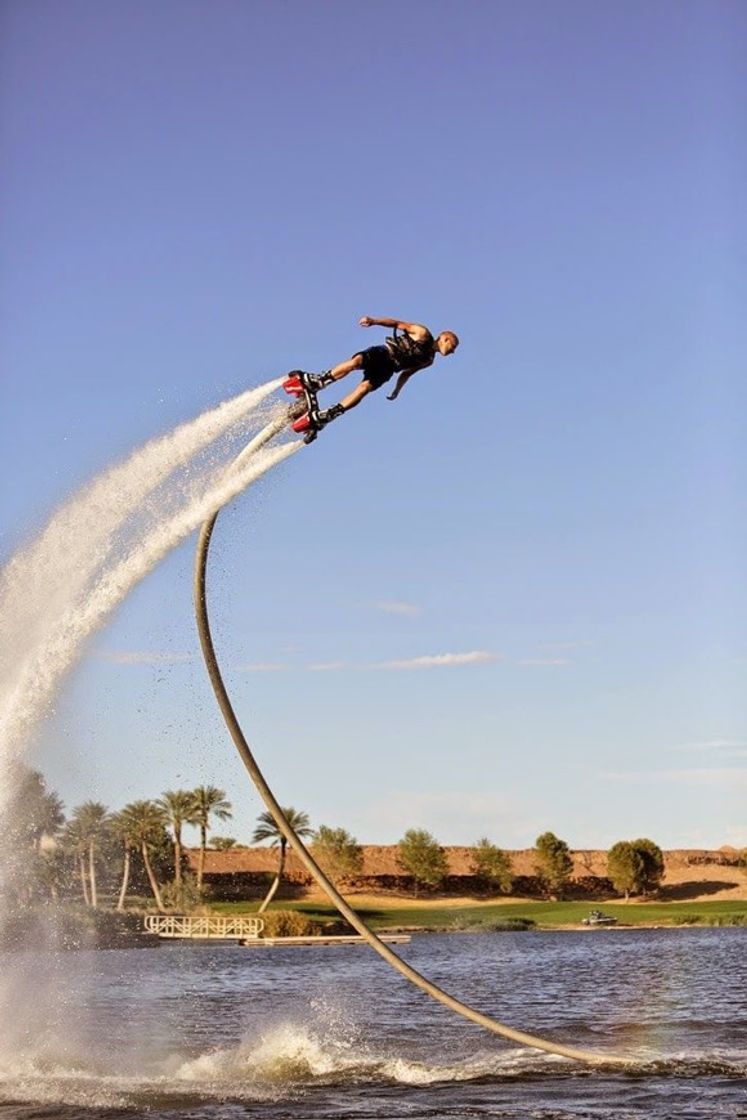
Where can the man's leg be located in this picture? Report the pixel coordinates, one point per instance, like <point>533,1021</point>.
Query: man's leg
<point>357,395</point>
<point>317,381</point>
<point>348,402</point>
<point>344,368</point>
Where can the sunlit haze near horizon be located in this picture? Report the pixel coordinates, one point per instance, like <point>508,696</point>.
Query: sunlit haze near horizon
<point>514,599</point>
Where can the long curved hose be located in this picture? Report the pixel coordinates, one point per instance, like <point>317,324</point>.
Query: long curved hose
<point>242,746</point>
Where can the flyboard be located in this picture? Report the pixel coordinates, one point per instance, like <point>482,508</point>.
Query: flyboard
<point>304,415</point>
<point>303,420</point>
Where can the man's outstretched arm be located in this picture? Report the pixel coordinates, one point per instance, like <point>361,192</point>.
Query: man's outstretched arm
<point>417,330</point>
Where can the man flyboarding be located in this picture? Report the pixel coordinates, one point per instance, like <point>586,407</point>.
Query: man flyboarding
<point>410,348</point>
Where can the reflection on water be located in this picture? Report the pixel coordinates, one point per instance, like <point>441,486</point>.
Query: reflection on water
<point>222,1032</point>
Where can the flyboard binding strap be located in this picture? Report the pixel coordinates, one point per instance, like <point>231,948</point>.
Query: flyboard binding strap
<point>305,413</point>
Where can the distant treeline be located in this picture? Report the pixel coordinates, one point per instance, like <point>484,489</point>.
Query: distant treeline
<point>110,859</point>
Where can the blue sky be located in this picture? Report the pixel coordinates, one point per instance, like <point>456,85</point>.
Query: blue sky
<point>197,197</point>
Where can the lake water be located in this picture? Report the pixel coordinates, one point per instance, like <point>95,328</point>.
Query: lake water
<point>218,1032</point>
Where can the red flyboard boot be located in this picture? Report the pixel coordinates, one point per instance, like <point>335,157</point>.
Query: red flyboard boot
<point>303,424</point>
<point>312,422</point>
<point>292,383</point>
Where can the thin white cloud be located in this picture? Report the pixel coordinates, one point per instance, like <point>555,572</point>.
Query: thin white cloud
<point>441,660</point>
<point>430,661</point>
<point>143,657</point>
<point>396,607</point>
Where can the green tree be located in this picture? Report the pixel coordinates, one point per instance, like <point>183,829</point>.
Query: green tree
<point>421,856</point>
<point>653,864</point>
<point>338,853</point>
<point>553,863</point>
<point>492,867</point>
<point>32,813</point>
<point>267,829</point>
<point>625,868</point>
<point>144,822</point>
<point>37,811</point>
<point>91,821</point>
<point>223,843</point>
<point>50,872</point>
<point>209,801</point>
<point>180,808</point>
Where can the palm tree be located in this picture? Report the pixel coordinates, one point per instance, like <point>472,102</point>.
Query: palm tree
<point>267,829</point>
<point>208,801</point>
<point>51,818</point>
<point>122,829</point>
<point>91,819</point>
<point>75,842</point>
<point>144,823</point>
<point>180,808</point>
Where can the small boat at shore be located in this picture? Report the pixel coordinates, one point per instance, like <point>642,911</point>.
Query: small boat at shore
<point>597,918</point>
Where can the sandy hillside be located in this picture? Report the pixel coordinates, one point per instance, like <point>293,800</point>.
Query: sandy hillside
<point>690,874</point>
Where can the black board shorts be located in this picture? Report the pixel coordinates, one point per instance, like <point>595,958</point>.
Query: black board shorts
<point>378,365</point>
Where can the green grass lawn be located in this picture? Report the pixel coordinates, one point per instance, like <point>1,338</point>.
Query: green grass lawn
<point>544,914</point>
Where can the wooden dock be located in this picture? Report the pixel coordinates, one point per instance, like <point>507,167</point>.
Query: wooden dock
<point>245,931</point>
<point>322,939</point>
<point>214,928</point>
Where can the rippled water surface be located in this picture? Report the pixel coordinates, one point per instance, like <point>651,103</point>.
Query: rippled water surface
<point>214,1032</point>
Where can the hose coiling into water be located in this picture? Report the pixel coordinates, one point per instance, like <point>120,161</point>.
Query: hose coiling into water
<point>234,728</point>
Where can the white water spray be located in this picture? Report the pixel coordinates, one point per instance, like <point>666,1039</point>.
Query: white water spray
<point>63,642</point>
<point>64,585</point>
<point>43,578</point>
<point>57,591</point>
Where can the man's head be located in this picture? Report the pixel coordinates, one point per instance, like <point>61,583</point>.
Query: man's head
<point>447,342</point>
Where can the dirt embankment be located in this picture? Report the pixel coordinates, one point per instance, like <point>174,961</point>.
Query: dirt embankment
<point>689,874</point>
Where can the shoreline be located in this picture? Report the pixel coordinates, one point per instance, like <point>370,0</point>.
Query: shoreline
<point>467,915</point>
